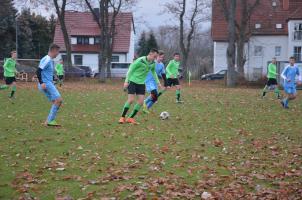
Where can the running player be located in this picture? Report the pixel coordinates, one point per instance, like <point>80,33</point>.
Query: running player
<point>151,84</point>
<point>135,84</point>
<point>60,73</point>
<point>172,75</point>
<point>10,73</point>
<point>272,84</point>
<point>45,74</point>
<point>289,75</point>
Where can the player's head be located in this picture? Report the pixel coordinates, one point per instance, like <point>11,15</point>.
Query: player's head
<point>292,60</point>
<point>54,50</point>
<point>61,61</point>
<point>153,54</point>
<point>13,54</point>
<point>274,60</point>
<point>176,56</point>
<point>161,56</point>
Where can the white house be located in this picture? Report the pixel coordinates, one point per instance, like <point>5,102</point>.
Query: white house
<point>276,31</point>
<point>84,35</point>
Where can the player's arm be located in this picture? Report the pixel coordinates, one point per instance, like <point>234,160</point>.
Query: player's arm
<point>169,68</point>
<point>131,69</point>
<point>283,74</point>
<point>155,75</point>
<point>163,75</point>
<point>41,67</point>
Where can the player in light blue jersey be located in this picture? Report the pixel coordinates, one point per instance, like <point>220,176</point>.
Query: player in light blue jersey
<point>45,75</point>
<point>151,84</point>
<point>289,75</point>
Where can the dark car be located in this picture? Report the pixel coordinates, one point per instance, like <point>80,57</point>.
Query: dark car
<point>214,76</point>
<point>74,72</point>
<point>88,71</point>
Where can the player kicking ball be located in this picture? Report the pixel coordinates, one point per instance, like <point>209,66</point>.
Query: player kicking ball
<point>272,84</point>
<point>45,74</point>
<point>151,84</point>
<point>135,84</point>
<point>172,75</point>
<point>10,72</point>
<point>289,75</point>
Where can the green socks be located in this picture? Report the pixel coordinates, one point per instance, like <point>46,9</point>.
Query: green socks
<point>14,89</point>
<point>277,92</point>
<point>137,107</point>
<point>178,95</point>
<point>264,91</point>
<point>125,109</point>
<point>3,87</point>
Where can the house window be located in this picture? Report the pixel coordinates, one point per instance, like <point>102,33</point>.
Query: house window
<point>277,51</point>
<point>258,51</point>
<point>298,31</point>
<point>78,59</point>
<point>96,40</point>
<point>278,26</point>
<point>298,53</point>
<point>115,59</point>
<point>64,58</point>
<point>257,26</point>
<point>82,40</point>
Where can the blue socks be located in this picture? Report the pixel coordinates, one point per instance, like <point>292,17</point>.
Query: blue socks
<point>53,113</point>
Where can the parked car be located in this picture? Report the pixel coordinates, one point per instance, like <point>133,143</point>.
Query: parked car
<point>214,76</point>
<point>88,71</point>
<point>74,72</point>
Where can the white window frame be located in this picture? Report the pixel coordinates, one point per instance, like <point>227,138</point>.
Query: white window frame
<point>297,55</point>
<point>278,50</point>
<point>297,32</point>
<point>257,26</point>
<point>279,26</point>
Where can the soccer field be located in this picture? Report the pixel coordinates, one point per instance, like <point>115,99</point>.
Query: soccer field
<point>229,143</point>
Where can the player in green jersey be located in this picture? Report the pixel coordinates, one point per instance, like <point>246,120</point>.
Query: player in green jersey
<point>172,72</point>
<point>135,84</point>
<point>272,83</point>
<point>10,73</point>
<point>60,72</point>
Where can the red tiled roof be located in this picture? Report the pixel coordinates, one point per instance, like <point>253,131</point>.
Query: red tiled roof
<point>265,14</point>
<point>83,24</point>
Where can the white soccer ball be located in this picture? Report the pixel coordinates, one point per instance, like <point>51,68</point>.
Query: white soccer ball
<point>164,115</point>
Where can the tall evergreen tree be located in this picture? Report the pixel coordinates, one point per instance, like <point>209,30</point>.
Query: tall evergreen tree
<point>151,43</point>
<point>142,45</point>
<point>25,38</point>
<point>7,28</point>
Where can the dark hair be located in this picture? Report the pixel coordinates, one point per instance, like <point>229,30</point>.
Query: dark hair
<point>176,54</point>
<point>54,47</point>
<point>292,57</point>
<point>13,51</point>
<point>153,50</point>
<point>160,52</point>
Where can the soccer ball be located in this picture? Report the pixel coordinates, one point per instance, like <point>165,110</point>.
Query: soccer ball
<point>164,115</point>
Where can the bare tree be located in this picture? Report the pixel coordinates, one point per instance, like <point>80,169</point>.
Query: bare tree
<point>60,8</point>
<point>229,10</point>
<point>190,14</point>
<point>107,22</point>
<point>243,31</point>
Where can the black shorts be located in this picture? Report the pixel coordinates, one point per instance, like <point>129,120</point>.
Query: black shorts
<point>272,81</point>
<point>134,88</point>
<point>9,80</point>
<point>60,77</point>
<point>172,82</point>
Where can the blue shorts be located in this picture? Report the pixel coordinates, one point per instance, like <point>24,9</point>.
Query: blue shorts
<point>290,89</point>
<point>151,86</point>
<point>51,91</point>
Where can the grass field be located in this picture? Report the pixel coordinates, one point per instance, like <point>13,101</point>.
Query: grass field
<point>227,142</point>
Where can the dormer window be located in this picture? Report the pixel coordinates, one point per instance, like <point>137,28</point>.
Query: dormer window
<point>279,26</point>
<point>257,26</point>
<point>274,3</point>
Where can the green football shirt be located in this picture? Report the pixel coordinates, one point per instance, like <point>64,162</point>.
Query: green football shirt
<point>10,68</point>
<point>272,71</point>
<point>139,70</point>
<point>172,69</point>
<point>59,69</point>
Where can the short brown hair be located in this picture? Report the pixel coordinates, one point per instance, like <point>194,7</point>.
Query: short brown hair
<point>54,47</point>
<point>13,51</point>
<point>161,52</point>
<point>292,57</point>
<point>153,50</point>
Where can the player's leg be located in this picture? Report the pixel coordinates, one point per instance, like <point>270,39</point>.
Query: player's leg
<point>56,100</point>
<point>13,89</point>
<point>61,79</point>
<point>154,98</point>
<point>140,90</point>
<point>4,87</point>
<point>127,105</point>
<point>178,88</point>
<point>264,91</point>
<point>288,91</point>
<point>277,92</point>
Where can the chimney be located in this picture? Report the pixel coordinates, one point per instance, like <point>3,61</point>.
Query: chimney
<point>285,4</point>
<point>97,13</point>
